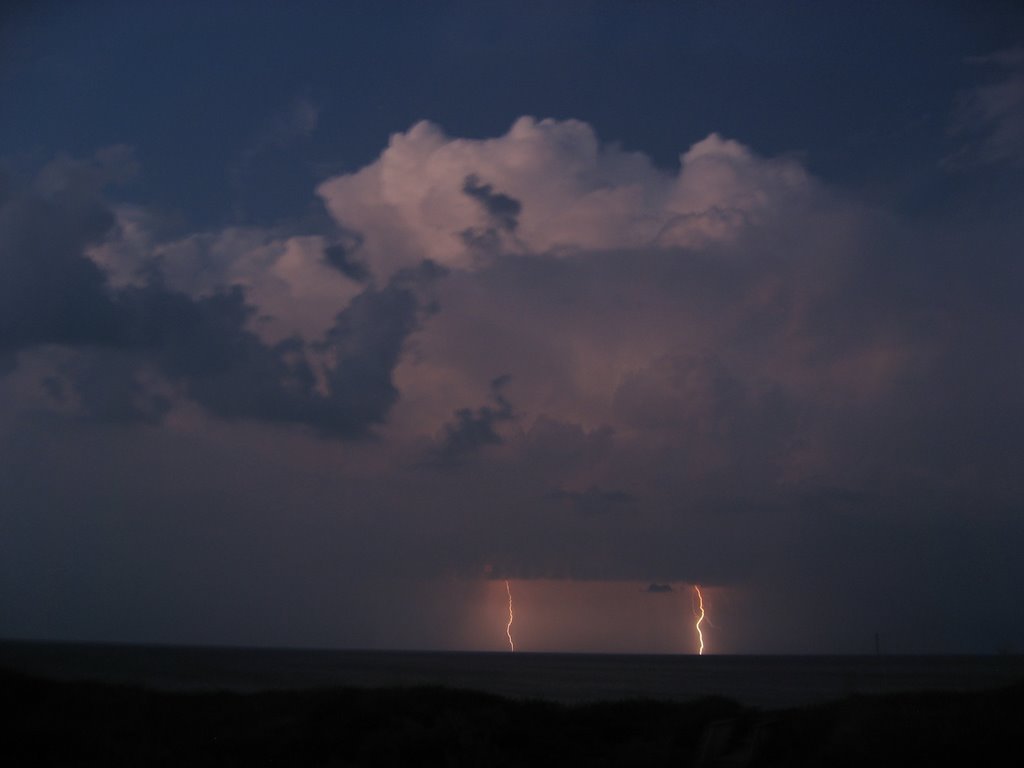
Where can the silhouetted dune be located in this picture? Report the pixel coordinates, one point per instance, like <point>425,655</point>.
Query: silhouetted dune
<point>82,723</point>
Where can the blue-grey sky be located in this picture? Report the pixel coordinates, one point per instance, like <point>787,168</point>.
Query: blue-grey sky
<point>319,321</point>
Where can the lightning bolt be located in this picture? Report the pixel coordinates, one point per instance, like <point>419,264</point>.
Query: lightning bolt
<point>699,613</point>
<point>511,617</point>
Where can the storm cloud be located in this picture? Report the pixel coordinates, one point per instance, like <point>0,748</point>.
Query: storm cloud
<point>532,349</point>
<point>51,294</point>
<point>472,429</point>
<point>203,347</point>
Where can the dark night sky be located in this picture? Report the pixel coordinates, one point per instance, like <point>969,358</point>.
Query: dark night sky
<point>319,321</point>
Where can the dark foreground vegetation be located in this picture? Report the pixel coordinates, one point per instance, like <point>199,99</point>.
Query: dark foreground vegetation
<point>76,724</point>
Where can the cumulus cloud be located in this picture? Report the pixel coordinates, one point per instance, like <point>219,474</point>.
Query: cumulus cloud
<point>548,186</point>
<point>700,313</point>
<point>576,265</point>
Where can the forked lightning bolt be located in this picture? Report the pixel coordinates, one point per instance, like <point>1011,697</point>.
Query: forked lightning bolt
<point>699,613</point>
<point>508,627</point>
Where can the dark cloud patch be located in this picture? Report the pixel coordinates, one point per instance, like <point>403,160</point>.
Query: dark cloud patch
<point>472,429</point>
<point>204,346</point>
<point>342,256</point>
<point>594,500</point>
<point>501,208</point>
<point>55,295</point>
<point>366,341</point>
<point>106,386</point>
<point>659,589</point>
<point>481,239</point>
<point>50,293</point>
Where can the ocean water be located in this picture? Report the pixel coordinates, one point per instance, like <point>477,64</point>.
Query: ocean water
<point>768,682</point>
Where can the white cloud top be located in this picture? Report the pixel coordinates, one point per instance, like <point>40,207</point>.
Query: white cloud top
<point>574,193</point>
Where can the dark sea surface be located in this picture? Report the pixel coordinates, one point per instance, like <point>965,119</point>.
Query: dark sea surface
<point>762,681</point>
